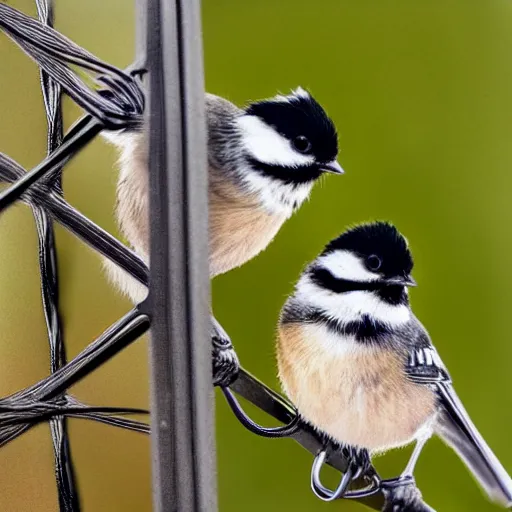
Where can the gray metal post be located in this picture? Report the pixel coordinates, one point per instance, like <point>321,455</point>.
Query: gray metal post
<point>184,475</point>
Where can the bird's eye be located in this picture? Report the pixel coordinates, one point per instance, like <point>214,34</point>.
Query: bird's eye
<point>373,262</point>
<point>302,144</point>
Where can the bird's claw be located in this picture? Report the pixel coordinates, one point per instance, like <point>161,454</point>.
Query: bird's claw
<point>225,362</point>
<point>402,494</point>
<point>359,464</point>
<point>224,359</point>
<point>359,460</point>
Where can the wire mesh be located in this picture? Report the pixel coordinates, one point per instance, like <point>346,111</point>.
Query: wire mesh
<point>118,104</point>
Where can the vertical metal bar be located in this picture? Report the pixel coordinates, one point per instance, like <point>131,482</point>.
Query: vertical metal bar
<point>182,393</point>
<point>141,25</point>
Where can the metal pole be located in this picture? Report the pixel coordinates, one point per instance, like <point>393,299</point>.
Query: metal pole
<point>184,474</point>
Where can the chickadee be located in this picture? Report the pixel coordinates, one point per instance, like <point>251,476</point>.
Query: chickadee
<point>263,161</point>
<point>358,364</point>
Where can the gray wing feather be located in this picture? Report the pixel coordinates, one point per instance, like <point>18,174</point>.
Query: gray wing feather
<point>454,426</point>
<point>223,133</point>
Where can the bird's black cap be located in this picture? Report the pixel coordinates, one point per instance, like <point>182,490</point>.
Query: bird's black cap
<point>380,245</point>
<point>299,114</point>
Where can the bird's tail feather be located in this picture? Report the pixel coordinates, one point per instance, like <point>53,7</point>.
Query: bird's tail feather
<point>457,430</point>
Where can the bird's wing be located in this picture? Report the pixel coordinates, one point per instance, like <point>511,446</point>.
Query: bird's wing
<point>454,426</point>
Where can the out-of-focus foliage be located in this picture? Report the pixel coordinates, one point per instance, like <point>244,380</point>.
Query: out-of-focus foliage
<point>421,94</point>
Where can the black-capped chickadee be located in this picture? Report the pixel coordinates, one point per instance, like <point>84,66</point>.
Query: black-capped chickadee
<point>263,161</point>
<point>358,364</point>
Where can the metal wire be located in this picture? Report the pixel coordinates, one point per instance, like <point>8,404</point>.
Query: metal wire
<point>40,188</point>
<point>64,472</point>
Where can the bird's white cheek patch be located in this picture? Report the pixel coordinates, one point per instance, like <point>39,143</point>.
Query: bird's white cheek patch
<point>351,306</point>
<point>345,265</point>
<point>367,303</point>
<point>267,146</point>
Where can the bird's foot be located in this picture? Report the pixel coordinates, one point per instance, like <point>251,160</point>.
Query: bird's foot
<point>401,494</point>
<point>358,465</point>
<point>359,460</point>
<point>225,361</point>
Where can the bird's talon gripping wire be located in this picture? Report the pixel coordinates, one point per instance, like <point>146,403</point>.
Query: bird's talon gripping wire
<point>318,488</point>
<point>372,489</point>
<point>358,473</point>
<point>341,491</point>
<point>401,481</point>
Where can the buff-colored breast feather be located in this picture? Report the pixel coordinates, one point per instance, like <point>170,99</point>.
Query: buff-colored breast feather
<point>239,227</point>
<point>359,396</point>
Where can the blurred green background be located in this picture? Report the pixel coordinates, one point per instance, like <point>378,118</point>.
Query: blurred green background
<point>421,93</point>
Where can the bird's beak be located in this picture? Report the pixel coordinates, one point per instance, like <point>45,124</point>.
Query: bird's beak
<point>402,281</point>
<point>333,167</point>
